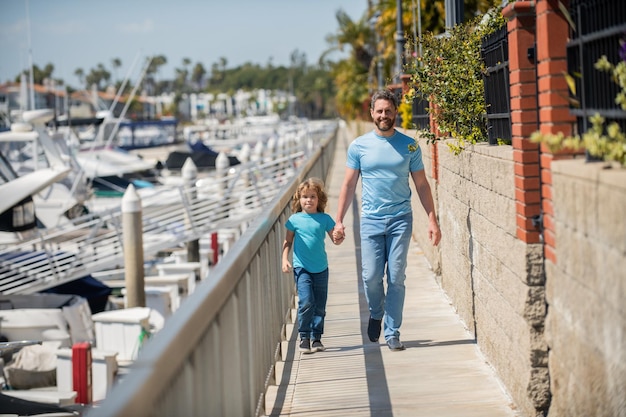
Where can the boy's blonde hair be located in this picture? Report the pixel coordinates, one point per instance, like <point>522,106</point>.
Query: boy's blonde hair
<point>314,184</point>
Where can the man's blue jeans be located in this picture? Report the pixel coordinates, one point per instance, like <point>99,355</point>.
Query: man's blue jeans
<point>312,296</point>
<point>385,244</point>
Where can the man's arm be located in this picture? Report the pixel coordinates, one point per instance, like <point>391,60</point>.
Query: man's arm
<point>346,194</point>
<point>426,198</point>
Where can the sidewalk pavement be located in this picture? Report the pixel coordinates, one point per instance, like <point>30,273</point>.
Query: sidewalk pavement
<point>440,374</point>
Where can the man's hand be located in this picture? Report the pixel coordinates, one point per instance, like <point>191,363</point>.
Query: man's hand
<point>339,233</point>
<point>434,233</point>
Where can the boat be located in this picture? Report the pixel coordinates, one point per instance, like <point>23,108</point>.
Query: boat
<point>146,133</point>
<point>22,191</point>
<point>202,156</point>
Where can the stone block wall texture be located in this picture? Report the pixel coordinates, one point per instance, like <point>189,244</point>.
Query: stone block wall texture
<point>586,291</point>
<point>420,220</point>
<point>494,279</point>
<point>498,285</point>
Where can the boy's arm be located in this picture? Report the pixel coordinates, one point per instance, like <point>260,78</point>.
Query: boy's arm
<point>287,244</point>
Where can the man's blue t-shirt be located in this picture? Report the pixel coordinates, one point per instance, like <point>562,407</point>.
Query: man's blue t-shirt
<point>385,164</point>
<point>309,250</point>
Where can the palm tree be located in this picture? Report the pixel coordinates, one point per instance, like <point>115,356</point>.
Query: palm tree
<point>80,74</point>
<point>353,33</point>
<point>197,75</point>
<point>156,63</point>
<point>116,63</point>
<point>351,75</point>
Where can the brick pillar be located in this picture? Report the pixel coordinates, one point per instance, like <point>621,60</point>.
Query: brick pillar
<point>534,398</point>
<point>434,129</point>
<point>523,90</point>
<point>554,116</point>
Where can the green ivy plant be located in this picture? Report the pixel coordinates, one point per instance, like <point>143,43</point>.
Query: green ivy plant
<point>604,142</point>
<point>449,74</point>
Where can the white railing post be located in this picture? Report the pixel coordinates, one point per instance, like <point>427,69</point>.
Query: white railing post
<point>133,248</point>
<point>221,169</point>
<point>244,158</point>
<point>258,152</point>
<point>270,148</point>
<point>189,173</point>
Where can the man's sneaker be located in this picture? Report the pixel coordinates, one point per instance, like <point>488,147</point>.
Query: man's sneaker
<point>317,346</point>
<point>373,329</point>
<point>305,346</point>
<point>395,344</point>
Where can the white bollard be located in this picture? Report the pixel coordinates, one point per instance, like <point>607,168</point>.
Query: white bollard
<point>221,169</point>
<point>244,158</point>
<point>189,173</point>
<point>132,230</point>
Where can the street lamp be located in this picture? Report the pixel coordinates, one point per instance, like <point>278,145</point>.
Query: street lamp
<point>399,42</point>
<point>417,33</point>
<point>375,53</point>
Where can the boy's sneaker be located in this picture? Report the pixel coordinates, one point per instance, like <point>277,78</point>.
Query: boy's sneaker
<point>305,346</point>
<point>317,346</point>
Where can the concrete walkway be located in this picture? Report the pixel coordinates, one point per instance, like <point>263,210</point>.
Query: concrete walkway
<point>440,374</point>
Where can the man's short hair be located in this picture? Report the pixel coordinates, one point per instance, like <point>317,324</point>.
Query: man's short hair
<point>384,95</point>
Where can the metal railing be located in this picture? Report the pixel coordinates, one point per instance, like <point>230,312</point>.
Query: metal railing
<point>172,215</point>
<point>421,117</point>
<point>495,54</point>
<point>599,26</point>
<point>216,354</point>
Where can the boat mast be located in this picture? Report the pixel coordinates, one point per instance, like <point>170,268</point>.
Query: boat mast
<point>30,61</point>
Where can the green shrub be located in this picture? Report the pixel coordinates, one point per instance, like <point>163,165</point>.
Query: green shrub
<point>605,142</point>
<point>449,74</point>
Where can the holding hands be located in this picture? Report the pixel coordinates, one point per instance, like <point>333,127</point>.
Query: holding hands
<point>338,234</point>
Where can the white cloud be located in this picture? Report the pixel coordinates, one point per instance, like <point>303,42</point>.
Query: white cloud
<point>11,31</point>
<point>146,26</point>
<point>68,27</point>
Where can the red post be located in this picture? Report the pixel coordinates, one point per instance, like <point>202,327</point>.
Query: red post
<point>214,247</point>
<point>81,372</point>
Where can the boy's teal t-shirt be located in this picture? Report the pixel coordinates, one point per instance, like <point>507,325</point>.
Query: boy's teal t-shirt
<point>309,249</point>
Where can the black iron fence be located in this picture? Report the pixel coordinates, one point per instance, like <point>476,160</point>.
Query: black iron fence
<point>421,117</point>
<point>599,27</point>
<point>495,54</point>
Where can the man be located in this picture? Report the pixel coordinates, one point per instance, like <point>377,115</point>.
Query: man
<point>385,159</point>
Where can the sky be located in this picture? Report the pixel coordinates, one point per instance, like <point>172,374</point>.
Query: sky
<point>73,34</point>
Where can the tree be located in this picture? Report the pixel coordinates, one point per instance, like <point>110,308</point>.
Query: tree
<point>80,74</point>
<point>155,65</point>
<point>39,75</point>
<point>352,90</point>
<point>351,75</point>
<point>355,34</point>
<point>98,76</point>
<point>197,75</point>
<point>116,63</point>
<point>181,81</point>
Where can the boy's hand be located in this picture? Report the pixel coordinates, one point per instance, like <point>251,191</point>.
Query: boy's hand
<point>338,236</point>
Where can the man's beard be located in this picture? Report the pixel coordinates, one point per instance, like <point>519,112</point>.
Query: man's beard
<point>387,126</point>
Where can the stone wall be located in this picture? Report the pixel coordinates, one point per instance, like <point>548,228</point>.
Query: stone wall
<point>494,280</point>
<point>586,291</point>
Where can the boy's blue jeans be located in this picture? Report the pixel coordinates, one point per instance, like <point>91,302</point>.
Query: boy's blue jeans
<point>312,296</point>
<point>385,243</point>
